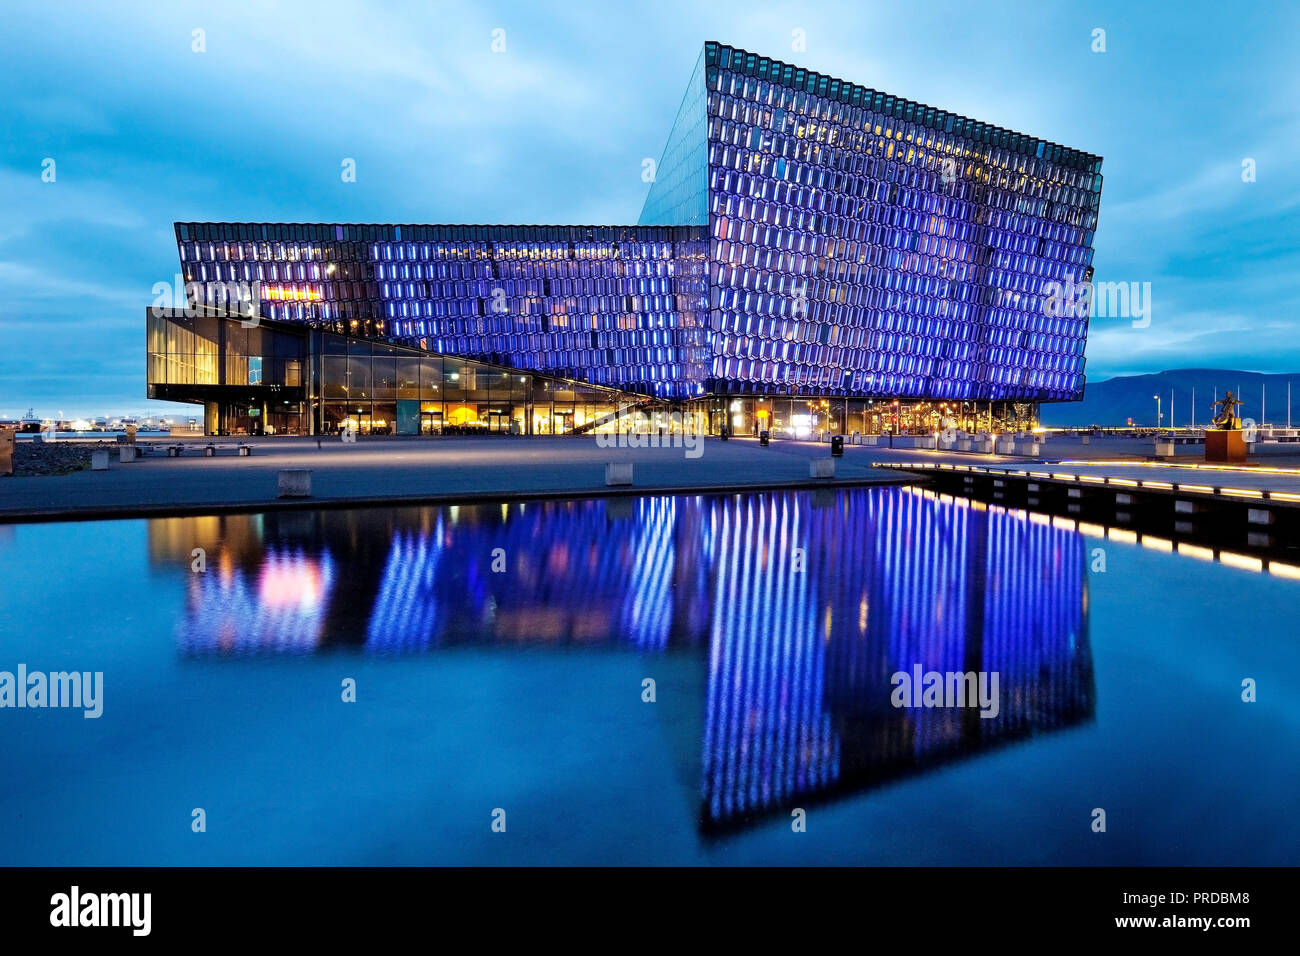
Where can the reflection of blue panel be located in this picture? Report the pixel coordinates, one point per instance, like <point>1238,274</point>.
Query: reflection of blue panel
<point>800,663</point>
<point>569,574</point>
<point>767,733</point>
<point>648,605</point>
<point>277,608</point>
<point>1035,636</point>
<point>405,613</point>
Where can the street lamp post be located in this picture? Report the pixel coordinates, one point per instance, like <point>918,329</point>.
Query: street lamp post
<point>1159,414</point>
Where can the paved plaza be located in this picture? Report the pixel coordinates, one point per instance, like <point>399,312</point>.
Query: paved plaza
<point>377,470</point>
<point>417,470</point>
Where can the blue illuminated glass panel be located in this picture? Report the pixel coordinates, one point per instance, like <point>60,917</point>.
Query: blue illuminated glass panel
<point>620,306</point>
<point>863,244</point>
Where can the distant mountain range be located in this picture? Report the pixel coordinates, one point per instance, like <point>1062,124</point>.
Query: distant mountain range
<point>1116,400</point>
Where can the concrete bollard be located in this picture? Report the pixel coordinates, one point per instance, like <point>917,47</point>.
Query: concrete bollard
<point>871,440</point>
<point>1004,445</point>
<point>1030,449</point>
<point>821,468</point>
<point>245,451</point>
<point>8,438</point>
<point>127,453</point>
<point>209,451</point>
<point>1086,439</point>
<point>99,459</point>
<point>295,483</point>
<point>1165,449</point>
<point>618,473</point>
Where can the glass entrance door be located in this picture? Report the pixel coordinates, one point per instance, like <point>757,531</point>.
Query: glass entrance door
<point>430,423</point>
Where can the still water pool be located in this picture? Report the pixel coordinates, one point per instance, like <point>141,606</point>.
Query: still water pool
<point>502,657</point>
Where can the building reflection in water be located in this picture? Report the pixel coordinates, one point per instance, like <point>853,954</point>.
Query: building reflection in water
<point>800,663</point>
<point>800,606</point>
<point>277,607</point>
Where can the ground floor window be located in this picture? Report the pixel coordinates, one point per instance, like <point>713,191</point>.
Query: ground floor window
<point>370,418</point>
<point>801,418</point>
<point>261,418</point>
<point>423,417</point>
<point>285,418</point>
<point>788,416</point>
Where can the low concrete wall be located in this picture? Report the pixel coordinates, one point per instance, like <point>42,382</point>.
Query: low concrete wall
<point>294,483</point>
<point>915,441</point>
<point>618,473</point>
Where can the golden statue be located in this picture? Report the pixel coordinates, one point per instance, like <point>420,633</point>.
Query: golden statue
<point>1227,419</point>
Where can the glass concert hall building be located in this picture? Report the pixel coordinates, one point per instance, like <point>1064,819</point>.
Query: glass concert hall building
<point>812,256</point>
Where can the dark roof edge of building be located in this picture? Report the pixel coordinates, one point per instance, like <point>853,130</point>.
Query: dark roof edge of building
<point>434,225</point>
<point>764,67</point>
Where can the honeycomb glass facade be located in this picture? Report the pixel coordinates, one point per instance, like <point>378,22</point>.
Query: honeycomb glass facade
<point>863,244</point>
<point>620,306</point>
<point>802,238</point>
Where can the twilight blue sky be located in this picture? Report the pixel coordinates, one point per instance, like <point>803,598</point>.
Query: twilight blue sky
<point>144,132</point>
